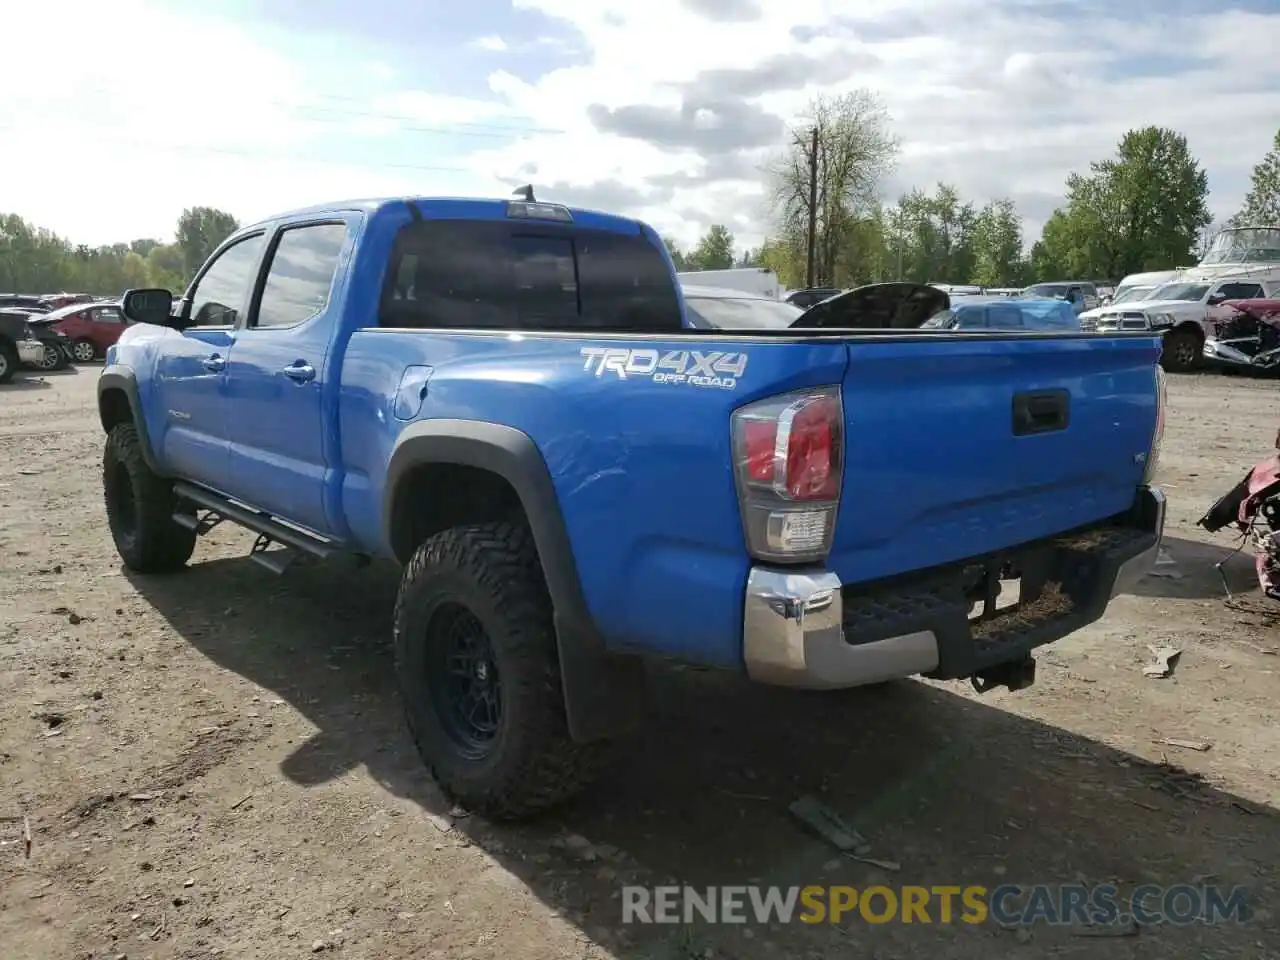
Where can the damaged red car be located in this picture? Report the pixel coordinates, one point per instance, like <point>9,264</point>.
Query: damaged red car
<point>1246,338</point>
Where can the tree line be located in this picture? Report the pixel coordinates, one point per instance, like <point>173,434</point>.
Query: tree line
<point>1143,208</point>
<point>36,260</point>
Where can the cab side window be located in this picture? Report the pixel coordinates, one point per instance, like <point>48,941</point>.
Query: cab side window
<point>222,292</point>
<point>303,266</point>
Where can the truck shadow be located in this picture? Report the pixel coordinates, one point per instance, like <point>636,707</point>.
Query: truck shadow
<point>946,790</point>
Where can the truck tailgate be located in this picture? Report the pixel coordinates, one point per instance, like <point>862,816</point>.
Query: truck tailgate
<point>961,447</point>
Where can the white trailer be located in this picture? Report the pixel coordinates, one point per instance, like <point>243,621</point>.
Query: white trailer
<point>760,281</point>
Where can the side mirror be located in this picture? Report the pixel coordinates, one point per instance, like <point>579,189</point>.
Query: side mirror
<point>1216,299</point>
<point>148,305</point>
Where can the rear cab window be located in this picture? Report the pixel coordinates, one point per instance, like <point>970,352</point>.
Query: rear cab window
<point>525,275</point>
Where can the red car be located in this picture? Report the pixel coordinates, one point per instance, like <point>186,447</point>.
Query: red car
<point>56,301</point>
<point>91,327</point>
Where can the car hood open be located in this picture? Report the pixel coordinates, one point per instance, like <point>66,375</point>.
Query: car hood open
<point>895,306</point>
<point>1267,311</point>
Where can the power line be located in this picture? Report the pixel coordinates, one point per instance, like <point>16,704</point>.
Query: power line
<point>261,155</point>
<point>490,130</point>
<point>498,129</point>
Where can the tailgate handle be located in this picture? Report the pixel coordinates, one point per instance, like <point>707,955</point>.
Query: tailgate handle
<point>1041,412</point>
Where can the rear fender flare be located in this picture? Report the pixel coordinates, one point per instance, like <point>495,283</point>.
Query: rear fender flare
<point>603,691</point>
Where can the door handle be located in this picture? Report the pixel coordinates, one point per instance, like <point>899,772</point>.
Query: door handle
<point>215,363</point>
<point>300,372</point>
<point>1042,412</point>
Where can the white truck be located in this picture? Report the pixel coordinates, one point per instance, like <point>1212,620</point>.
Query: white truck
<point>1241,263</point>
<point>760,281</point>
<point>1149,280</point>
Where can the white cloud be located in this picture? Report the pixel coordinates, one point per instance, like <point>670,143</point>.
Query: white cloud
<point>492,42</point>
<point>999,100</point>
<point>999,103</point>
<point>116,146</point>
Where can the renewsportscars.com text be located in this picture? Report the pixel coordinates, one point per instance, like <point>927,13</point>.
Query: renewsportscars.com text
<point>1007,905</point>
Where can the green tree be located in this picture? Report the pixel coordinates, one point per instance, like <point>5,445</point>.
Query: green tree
<point>1262,204</point>
<point>864,256</point>
<point>785,257</point>
<point>200,230</point>
<point>133,271</point>
<point>165,268</point>
<point>1066,247</point>
<point>1143,209</point>
<point>853,152</point>
<point>32,260</point>
<point>931,236</point>
<point>997,246</point>
<point>36,260</point>
<point>677,256</point>
<point>714,251</point>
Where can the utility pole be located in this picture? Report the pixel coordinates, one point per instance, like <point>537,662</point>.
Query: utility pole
<point>812,157</point>
<point>899,233</point>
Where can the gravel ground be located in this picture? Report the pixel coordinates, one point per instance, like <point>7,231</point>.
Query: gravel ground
<point>214,763</point>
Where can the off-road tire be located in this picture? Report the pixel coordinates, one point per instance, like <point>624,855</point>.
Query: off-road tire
<point>140,507</point>
<point>9,361</point>
<point>493,571</point>
<point>1181,351</point>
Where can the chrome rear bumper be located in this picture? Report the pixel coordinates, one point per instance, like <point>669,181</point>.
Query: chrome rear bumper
<point>798,630</point>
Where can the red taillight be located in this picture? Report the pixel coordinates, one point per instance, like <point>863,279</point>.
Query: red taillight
<point>813,451</point>
<point>789,453</point>
<point>793,446</point>
<point>760,438</point>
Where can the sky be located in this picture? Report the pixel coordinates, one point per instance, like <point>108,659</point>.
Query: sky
<point>116,116</point>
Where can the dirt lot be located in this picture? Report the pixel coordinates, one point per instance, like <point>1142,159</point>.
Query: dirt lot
<point>214,764</point>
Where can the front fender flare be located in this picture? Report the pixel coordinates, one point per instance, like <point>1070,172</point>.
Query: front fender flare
<point>124,381</point>
<point>603,692</point>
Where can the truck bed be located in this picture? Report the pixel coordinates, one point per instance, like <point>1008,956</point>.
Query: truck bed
<point>933,470</point>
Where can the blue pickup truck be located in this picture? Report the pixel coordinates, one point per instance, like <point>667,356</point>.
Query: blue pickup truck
<point>508,399</point>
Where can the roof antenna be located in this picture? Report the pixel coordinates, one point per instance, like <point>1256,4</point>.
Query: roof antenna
<point>525,193</point>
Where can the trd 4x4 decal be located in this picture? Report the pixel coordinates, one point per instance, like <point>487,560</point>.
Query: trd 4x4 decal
<point>697,368</point>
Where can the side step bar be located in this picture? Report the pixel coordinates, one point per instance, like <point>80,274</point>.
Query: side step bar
<point>268,530</point>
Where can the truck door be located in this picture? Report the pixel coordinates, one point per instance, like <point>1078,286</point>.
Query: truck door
<point>191,372</point>
<point>276,381</point>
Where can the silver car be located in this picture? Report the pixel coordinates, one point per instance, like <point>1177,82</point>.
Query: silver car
<point>722,308</point>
